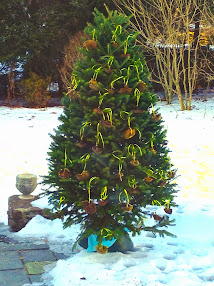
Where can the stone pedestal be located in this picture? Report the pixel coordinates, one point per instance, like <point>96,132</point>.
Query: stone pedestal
<point>20,212</point>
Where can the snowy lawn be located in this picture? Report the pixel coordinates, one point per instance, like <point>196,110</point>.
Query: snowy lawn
<point>185,260</point>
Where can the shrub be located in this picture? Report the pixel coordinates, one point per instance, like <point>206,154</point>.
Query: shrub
<point>35,89</point>
<point>72,53</point>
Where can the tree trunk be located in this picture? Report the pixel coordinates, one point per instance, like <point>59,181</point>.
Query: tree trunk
<point>60,85</point>
<point>11,83</point>
<point>197,29</point>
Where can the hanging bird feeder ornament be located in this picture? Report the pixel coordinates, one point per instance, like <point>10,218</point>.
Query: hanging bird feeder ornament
<point>102,249</point>
<point>89,207</point>
<point>142,86</point>
<point>65,173</point>
<point>154,116</point>
<point>150,176</point>
<point>99,137</point>
<point>85,174</point>
<point>171,174</point>
<point>132,150</point>
<point>167,209</point>
<point>93,85</point>
<point>129,133</point>
<point>128,207</point>
<point>120,165</point>
<point>102,202</point>
<point>118,31</point>
<point>125,90</point>
<point>98,110</point>
<point>162,183</point>
<point>90,44</point>
<point>148,179</point>
<point>157,217</point>
<point>111,91</point>
<point>107,118</point>
<point>82,143</point>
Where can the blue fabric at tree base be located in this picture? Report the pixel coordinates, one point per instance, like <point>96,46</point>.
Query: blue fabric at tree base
<point>92,242</point>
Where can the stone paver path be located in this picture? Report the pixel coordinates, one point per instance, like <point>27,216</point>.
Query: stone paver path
<point>21,261</point>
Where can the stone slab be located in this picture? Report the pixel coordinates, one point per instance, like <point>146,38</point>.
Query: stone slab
<point>37,278</point>
<point>60,256</point>
<point>22,246</point>
<point>6,239</point>
<point>4,228</point>
<point>2,244</point>
<point>16,277</point>
<point>37,255</point>
<point>10,260</point>
<point>36,267</point>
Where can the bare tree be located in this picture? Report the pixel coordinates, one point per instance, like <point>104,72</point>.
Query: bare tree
<point>206,65</point>
<point>166,30</point>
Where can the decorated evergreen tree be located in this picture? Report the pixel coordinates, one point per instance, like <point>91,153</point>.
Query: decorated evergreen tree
<point>109,159</point>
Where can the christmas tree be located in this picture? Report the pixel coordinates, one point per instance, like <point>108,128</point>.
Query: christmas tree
<point>109,158</point>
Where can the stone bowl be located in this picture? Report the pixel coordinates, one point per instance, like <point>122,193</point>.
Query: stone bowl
<point>26,183</point>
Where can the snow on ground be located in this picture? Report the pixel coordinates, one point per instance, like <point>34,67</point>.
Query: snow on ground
<point>186,260</point>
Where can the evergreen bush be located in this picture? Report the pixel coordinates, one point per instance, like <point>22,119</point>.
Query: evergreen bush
<point>35,89</point>
<point>109,159</point>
